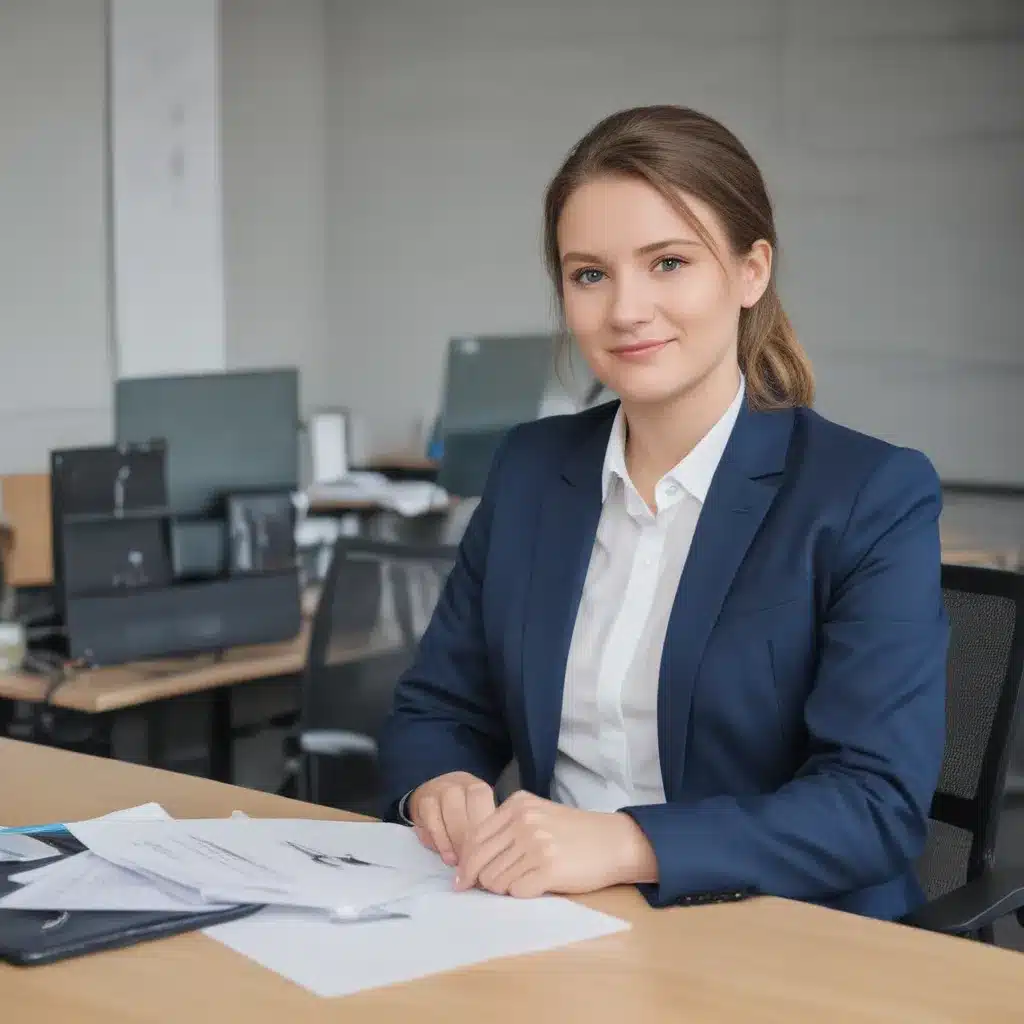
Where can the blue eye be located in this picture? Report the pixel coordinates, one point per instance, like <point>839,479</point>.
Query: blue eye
<point>670,263</point>
<point>588,275</point>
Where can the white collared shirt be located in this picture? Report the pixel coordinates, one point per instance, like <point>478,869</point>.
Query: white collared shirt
<point>608,740</point>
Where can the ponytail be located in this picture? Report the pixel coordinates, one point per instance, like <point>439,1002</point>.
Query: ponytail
<point>778,372</point>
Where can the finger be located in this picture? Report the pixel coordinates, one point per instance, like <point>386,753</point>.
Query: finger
<point>529,885</point>
<point>424,837</point>
<point>478,855</point>
<point>453,810</point>
<point>433,822</point>
<point>479,805</point>
<point>504,869</point>
<point>493,824</point>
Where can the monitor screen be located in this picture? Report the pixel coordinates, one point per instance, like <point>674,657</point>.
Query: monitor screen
<point>495,382</point>
<point>491,384</point>
<point>225,432</point>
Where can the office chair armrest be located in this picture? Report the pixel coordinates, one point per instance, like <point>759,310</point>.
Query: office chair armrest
<point>336,743</point>
<point>975,905</point>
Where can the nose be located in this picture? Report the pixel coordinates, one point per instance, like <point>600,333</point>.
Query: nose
<point>632,303</point>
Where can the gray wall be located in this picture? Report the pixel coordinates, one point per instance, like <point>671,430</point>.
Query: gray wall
<point>54,339</point>
<point>891,134</point>
<point>55,363</point>
<point>274,128</point>
<point>384,163</point>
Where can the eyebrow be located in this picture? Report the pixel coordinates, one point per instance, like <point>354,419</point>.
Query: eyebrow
<point>644,250</point>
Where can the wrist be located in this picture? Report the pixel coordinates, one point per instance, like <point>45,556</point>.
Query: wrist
<point>634,858</point>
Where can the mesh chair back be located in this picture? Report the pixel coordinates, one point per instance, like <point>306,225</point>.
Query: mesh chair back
<point>986,654</point>
<point>377,601</point>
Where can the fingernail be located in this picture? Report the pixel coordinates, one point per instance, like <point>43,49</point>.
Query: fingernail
<point>458,882</point>
<point>449,859</point>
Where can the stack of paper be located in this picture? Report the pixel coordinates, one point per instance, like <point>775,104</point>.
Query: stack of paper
<point>351,905</point>
<point>86,881</point>
<point>344,868</point>
<point>18,848</point>
<point>406,497</point>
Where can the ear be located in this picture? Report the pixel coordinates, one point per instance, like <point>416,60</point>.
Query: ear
<point>756,272</point>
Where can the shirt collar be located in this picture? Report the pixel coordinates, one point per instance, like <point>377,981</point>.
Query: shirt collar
<point>695,472</point>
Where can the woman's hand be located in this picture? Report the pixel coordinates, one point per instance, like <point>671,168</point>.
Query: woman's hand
<point>531,846</point>
<point>445,809</point>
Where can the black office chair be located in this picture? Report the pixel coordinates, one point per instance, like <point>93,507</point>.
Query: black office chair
<point>376,602</point>
<point>966,892</point>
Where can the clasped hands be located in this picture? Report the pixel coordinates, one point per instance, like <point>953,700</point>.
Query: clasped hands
<point>528,846</point>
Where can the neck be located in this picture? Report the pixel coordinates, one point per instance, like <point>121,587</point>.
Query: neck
<point>659,436</point>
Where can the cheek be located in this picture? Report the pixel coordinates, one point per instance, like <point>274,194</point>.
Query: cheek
<point>703,295</point>
<point>585,315</point>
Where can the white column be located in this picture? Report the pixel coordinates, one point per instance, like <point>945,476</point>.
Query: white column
<point>166,201</point>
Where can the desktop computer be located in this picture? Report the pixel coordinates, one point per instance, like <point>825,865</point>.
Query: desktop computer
<point>225,433</point>
<point>179,538</point>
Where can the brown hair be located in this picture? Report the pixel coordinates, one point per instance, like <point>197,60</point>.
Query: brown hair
<point>675,149</point>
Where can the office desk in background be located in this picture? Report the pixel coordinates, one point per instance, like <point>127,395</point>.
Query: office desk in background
<point>764,960</point>
<point>115,688</point>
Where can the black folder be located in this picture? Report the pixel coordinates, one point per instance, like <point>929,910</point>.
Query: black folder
<point>35,937</point>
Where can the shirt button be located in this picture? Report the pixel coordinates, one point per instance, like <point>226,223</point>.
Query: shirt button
<point>672,489</point>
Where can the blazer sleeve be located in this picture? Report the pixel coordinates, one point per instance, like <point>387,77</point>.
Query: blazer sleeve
<point>447,713</point>
<point>856,813</point>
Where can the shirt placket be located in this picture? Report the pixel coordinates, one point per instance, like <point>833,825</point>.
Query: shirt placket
<point>621,651</point>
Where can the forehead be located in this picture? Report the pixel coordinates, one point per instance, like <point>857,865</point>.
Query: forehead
<point>617,215</point>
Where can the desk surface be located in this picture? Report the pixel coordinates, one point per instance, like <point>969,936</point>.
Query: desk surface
<point>122,686</point>
<point>765,960</point>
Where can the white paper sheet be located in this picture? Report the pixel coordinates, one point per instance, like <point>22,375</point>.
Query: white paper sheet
<point>444,931</point>
<point>342,867</point>
<point>15,847</point>
<point>87,882</point>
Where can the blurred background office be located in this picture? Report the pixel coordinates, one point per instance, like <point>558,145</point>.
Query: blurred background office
<point>349,193</point>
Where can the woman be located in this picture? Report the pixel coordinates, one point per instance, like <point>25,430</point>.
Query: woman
<point>705,621</point>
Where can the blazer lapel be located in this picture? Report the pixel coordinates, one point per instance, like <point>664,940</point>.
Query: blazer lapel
<point>741,493</point>
<point>567,527</point>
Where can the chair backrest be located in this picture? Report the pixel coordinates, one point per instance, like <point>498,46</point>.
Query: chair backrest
<point>376,602</point>
<point>986,660</point>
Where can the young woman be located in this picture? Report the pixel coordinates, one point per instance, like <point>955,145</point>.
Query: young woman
<point>706,621</point>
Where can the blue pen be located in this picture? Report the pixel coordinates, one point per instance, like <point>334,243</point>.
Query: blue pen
<point>34,830</point>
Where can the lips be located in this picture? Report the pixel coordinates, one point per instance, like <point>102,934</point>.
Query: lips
<point>640,348</point>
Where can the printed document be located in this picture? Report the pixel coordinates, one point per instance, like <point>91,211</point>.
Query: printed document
<point>344,868</point>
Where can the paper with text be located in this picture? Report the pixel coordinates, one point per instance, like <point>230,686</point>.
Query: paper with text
<point>341,867</point>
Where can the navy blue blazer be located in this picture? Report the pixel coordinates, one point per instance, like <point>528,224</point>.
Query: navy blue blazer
<point>801,702</point>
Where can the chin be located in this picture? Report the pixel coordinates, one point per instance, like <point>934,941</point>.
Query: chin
<point>635,392</point>
<point>650,386</point>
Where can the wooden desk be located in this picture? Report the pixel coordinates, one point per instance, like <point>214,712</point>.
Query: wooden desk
<point>767,961</point>
<point>124,686</point>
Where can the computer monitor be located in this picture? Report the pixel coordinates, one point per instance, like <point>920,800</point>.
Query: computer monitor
<point>225,432</point>
<point>491,384</point>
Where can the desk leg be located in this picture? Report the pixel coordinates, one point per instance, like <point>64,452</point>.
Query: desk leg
<point>221,743</point>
